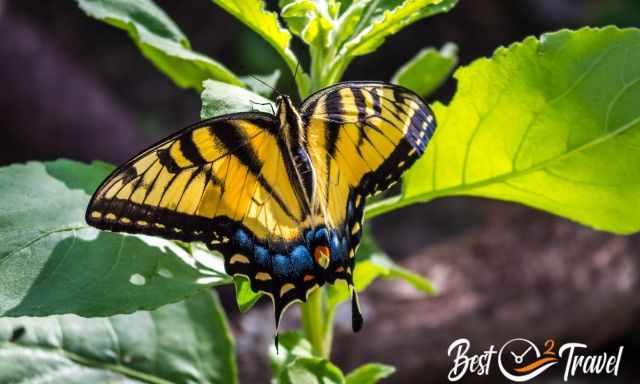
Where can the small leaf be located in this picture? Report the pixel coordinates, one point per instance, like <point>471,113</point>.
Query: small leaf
<point>253,14</point>
<point>386,18</point>
<point>428,70</point>
<point>552,123</point>
<point>348,21</point>
<point>311,370</point>
<point>51,262</point>
<point>369,373</point>
<point>311,20</point>
<point>220,99</point>
<point>160,40</point>
<point>292,345</point>
<point>245,296</point>
<point>263,85</point>
<point>140,347</point>
<point>294,363</point>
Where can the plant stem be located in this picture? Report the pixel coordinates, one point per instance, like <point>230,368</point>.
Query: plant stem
<point>312,322</point>
<point>328,329</point>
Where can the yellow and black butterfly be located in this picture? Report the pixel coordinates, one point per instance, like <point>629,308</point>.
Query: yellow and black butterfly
<point>280,196</point>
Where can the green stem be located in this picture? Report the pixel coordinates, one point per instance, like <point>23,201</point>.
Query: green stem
<point>328,331</point>
<point>312,322</point>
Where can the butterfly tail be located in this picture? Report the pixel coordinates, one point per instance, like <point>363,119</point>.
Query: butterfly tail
<point>356,314</point>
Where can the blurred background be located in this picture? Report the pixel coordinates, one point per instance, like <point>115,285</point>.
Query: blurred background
<point>76,88</point>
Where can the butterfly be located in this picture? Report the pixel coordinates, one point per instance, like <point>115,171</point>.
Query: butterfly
<point>280,195</point>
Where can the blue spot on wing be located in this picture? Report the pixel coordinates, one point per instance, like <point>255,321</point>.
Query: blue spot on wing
<point>262,257</point>
<point>338,248</point>
<point>322,234</point>
<point>243,240</point>
<point>293,265</point>
<point>282,266</point>
<point>301,260</point>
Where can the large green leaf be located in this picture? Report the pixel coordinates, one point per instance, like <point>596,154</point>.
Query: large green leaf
<point>552,123</point>
<point>427,70</point>
<point>51,262</point>
<point>253,14</point>
<point>160,40</point>
<point>188,342</point>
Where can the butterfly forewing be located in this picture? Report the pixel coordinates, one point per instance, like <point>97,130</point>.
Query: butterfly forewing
<point>222,168</point>
<point>361,136</point>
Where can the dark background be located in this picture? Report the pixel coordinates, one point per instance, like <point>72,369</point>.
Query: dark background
<point>76,88</point>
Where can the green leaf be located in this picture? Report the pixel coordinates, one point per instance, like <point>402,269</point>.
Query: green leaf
<point>384,18</point>
<point>245,296</point>
<point>311,370</point>
<point>292,345</point>
<point>51,262</point>
<point>294,363</point>
<point>372,263</point>
<point>551,123</point>
<point>220,98</point>
<point>369,373</point>
<point>178,343</point>
<point>254,15</point>
<point>263,85</point>
<point>428,70</point>
<point>159,40</point>
<point>311,20</point>
<point>349,20</point>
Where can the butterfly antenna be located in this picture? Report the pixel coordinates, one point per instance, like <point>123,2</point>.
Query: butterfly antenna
<point>265,84</point>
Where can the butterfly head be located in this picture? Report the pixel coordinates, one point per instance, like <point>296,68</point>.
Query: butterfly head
<point>289,118</point>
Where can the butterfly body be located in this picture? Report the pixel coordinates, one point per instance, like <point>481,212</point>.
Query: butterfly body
<point>280,196</point>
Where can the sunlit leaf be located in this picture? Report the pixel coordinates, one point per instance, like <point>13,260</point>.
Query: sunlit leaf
<point>265,23</point>
<point>428,70</point>
<point>552,123</point>
<point>383,18</point>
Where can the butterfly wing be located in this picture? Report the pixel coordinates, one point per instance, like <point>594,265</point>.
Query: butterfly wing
<point>360,137</point>
<point>196,183</point>
<point>224,182</point>
<point>369,132</point>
